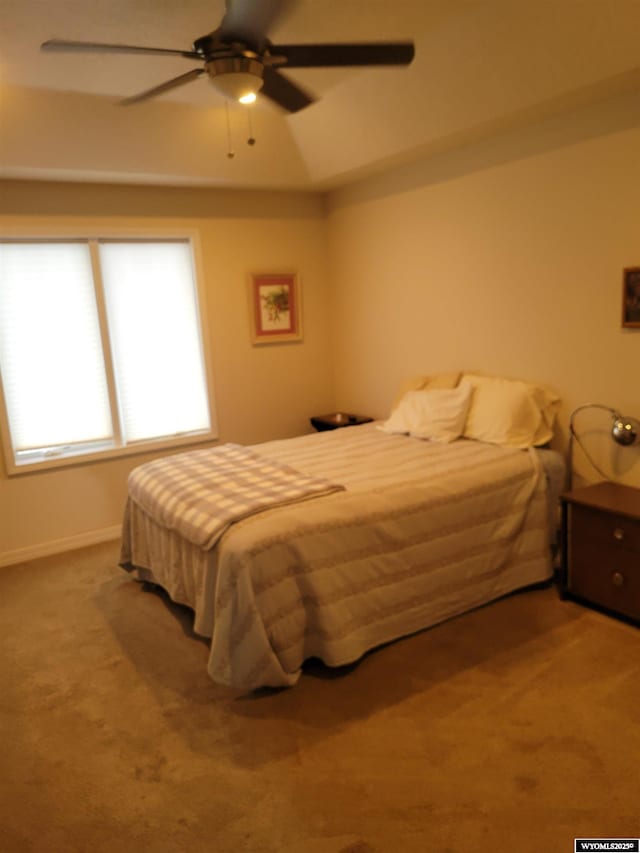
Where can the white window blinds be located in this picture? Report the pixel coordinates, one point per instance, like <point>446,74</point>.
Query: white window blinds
<point>154,328</point>
<point>50,348</point>
<point>100,347</point>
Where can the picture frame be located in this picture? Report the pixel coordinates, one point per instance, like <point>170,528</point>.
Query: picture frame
<point>275,304</point>
<point>631,298</point>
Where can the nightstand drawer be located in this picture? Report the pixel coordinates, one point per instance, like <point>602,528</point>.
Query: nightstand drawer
<point>606,576</point>
<point>608,528</point>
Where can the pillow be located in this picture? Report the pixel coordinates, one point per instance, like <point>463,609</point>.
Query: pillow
<point>509,412</point>
<point>426,383</point>
<point>437,414</point>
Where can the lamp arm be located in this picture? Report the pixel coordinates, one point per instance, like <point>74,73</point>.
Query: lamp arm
<point>611,411</point>
<point>573,436</point>
<point>623,438</point>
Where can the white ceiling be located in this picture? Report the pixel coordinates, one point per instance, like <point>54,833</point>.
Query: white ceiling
<point>481,67</point>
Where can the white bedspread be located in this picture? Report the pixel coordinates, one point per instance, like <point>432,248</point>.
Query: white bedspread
<point>423,532</point>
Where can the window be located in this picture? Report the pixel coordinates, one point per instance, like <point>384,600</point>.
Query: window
<point>101,351</point>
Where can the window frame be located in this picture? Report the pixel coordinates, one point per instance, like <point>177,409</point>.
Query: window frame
<point>116,449</point>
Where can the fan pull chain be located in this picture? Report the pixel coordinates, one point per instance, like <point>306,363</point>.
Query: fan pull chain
<point>230,152</point>
<point>251,140</point>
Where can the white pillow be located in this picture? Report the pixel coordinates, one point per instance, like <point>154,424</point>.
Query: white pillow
<point>510,412</point>
<point>438,414</point>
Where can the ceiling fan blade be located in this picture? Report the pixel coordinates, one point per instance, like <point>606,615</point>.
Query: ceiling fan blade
<point>283,92</point>
<point>164,87</point>
<point>98,47</point>
<point>332,55</point>
<point>250,20</point>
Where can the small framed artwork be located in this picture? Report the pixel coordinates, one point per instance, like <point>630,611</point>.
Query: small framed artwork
<point>631,298</point>
<point>276,309</point>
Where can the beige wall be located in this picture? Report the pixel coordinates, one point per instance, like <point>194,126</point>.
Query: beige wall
<point>261,392</point>
<point>504,258</point>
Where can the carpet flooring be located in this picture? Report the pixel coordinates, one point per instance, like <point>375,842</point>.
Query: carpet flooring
<point>512,728</point>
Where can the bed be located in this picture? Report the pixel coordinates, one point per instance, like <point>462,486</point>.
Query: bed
<point>401,533</point>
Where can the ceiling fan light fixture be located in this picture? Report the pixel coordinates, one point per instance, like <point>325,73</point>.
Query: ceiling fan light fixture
<point>239,78</point>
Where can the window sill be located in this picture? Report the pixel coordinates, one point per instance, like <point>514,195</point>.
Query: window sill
<point>16,469</point>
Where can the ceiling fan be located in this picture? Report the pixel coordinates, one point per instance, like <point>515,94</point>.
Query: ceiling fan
<point>240,60</point>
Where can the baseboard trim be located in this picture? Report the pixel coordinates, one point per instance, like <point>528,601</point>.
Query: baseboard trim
<point>58,546</point>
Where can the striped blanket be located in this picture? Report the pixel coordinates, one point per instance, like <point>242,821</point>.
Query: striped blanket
<point>421,532</point>
<point>200,493</point>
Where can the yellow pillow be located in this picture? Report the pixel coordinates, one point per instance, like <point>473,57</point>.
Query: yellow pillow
<point>510,412</point>
<point>426,383</point>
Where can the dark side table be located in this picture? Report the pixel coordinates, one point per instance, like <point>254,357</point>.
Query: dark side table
<point>601,547</point>
<point>336,420</point>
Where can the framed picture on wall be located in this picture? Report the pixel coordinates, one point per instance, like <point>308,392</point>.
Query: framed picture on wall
<point>631,298</point>
<point>275,308</point>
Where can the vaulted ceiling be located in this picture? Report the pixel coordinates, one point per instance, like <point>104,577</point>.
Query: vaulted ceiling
<point>482,67</point>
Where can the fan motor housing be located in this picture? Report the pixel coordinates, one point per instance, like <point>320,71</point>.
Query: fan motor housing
<point>234,65</point>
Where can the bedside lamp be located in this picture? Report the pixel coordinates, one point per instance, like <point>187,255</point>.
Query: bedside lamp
<point>625,431</point>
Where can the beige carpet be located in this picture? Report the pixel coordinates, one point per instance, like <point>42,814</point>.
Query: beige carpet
<point>514,728</point>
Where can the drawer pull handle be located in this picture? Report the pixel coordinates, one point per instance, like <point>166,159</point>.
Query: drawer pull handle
<point>617,579</point>
<point>618,534</point>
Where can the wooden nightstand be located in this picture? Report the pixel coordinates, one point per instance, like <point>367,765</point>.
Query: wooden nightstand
<point>337,420</point>
<point>601,547</point>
